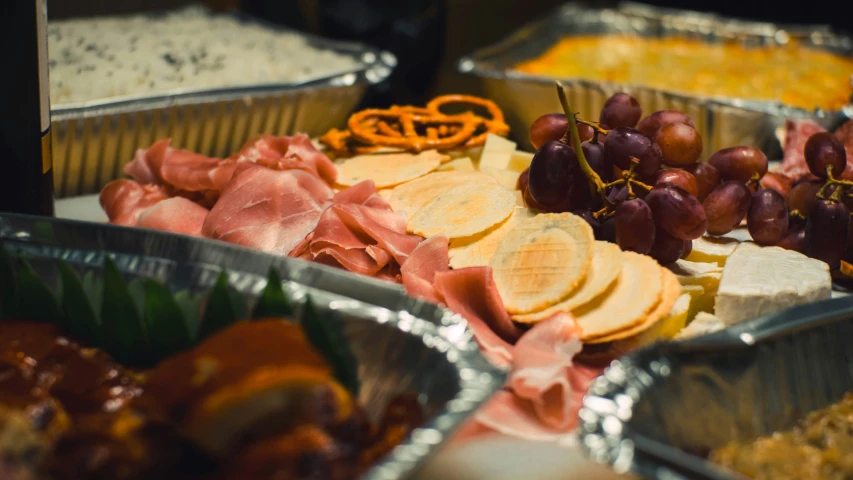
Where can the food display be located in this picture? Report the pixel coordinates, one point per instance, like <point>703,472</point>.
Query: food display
<point>119,380</point>
<point>810,78</point>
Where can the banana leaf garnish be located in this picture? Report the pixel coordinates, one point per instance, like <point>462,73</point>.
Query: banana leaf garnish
<point>273,302</point>
<point>80,317</point>
<point>164,320</point>
<point>35,301</point>
<point>123,333</point>
<point>190,305</point>
<point>8,285</point>
<point>325,335</point>
<point>221,310</point>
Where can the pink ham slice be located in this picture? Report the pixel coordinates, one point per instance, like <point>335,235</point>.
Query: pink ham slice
<point>176,215</point>
<point>418,273</point>
<point>266,209</point>
<point>845,135</point>
<point>123,200</point>
<point>286,153</point>
<point>797,133</point>
<point>179,169</point>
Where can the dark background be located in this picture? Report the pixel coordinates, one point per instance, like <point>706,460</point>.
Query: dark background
<point>429,35</point>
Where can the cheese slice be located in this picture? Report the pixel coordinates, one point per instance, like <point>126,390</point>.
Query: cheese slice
<point>497,152</point>
<point>703,324</point>
<point>712,249</point>
<point>700,300</point>
<point>761,280</point>
<point>519,161</point>
<point>507,178</point>
<point>706,275</point>
<point>463,164</point>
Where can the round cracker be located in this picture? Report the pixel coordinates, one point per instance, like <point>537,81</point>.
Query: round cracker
<point>669,295</point>
<point>629,301</point>
<point>477,250</point>
<point>542,260</point>
<point>463,211</point>
<point>412,196</point>
<point>603,272</point>
<point>387,170</point>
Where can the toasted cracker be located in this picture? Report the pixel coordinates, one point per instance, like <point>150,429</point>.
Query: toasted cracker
<point>628,302</point>
<point>603,272</point>
<point>477,250</point>
<point>463,211</point>
<point>412,196</point>
<point>463,164</point>
<point>388,170</point>
<point>542,260</point>
<point>669,295</point>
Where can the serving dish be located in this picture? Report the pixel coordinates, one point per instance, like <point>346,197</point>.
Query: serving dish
<point>91,141</point>
<point>721,122</point>
<point>401,344</point>
<point>657,411</point>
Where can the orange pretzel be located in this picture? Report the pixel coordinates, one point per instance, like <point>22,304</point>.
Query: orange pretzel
<point>410,139</point>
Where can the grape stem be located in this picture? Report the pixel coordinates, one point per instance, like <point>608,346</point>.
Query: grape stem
<point>595,126</point>
<point>830,181</point>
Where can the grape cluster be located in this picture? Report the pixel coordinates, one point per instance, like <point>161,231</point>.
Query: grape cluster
<point>637,181</point>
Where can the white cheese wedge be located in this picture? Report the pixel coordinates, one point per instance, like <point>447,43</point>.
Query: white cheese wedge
<point>703,324</point>
<point>506,178</point>
<point>761,280</point>
<point>519,161</point>
<point>706,275</point>
<point>712,249</point>
<point>463,164</point>
<point>497,152</point>
<point>700,300</point>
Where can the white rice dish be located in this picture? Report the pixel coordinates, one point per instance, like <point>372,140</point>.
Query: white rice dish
<point>98,59</point>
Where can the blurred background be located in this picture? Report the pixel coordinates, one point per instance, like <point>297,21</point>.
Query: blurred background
<point>428,36</point>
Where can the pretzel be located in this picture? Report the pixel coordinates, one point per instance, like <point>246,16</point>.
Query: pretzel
<point>415,129</point>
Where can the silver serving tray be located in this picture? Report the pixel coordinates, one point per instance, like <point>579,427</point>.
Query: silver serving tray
<point>722,122</point>
<point>92,141</point>
<point>655,412</point>
<point>402,344</point>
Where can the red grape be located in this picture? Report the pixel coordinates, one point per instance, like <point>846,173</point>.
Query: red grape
<point>594,153</point>
<point>767,218</point>
<point>739,163</point>
<point>590,219</point>
<point>634,226</point>
<point>679,178</point>
<point>824,150</point>
<point>624,143</point>
<point>530,203</point>
<point>688,247</point>
<point>620,110</point>
<point>607,232</point>
<point>794,240</point>
<point>778,182</point>
<point>552,127</point>
<point>552,173</point>
<point>726,206</point>
<point>679,143</point>
<point>802,196</point>
<point>667,249</point>
<point>523,180</point>
<point>650,125</point>
<point>707,178</point>
<point>827,228</point>
<point>677,212</point>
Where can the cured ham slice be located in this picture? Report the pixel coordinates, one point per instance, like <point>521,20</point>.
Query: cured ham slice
<point>418,273</point>
<point>177,215</point>
<point>845,135</point>
<point>180,169</point>
<point>266,209</point>
<point>123,200</point>
<point>286,153</point>
<point>797,133</point>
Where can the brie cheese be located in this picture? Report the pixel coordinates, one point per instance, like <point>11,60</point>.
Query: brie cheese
<point>712,249</point>
<point>761,280</point>
<point>703,324</point>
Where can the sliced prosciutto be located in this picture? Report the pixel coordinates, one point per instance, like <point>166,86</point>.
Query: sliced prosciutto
<point>418,273</point>
<point>266,209</point>
<point>285,153</point>
<point>123,200</point>
<point>177,215</point>
<point>797,133</point>
<point>180,169</point>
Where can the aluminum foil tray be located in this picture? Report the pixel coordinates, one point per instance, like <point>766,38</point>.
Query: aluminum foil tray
<point>721,122</point>
<point>93,141</point>
<point>659,411</point>
<point>402,344</point>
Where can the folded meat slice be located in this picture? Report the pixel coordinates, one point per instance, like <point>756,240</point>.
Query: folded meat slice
<point>182,170</point>
<point>176,215</point>
<point>285,153</point>
<point>418,272</point>
<point>266,209</point>
<point>124,200</point>
<point>797,134</point>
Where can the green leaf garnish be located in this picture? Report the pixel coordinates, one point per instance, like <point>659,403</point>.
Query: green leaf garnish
<point>80,317</point>
<point>273,302</point>
<point>221,311</point>
<point>123,332</point>
<point>164,320</point>
<point>332,344</point>
<point>190,305</point>
<point>93,286</point>
<point>8,286</point>
<point>35,301</point>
